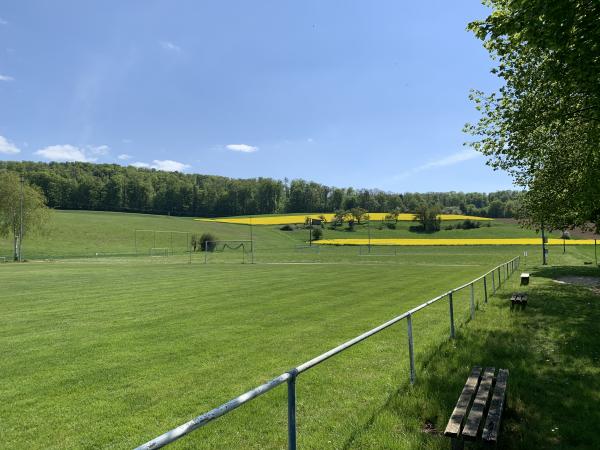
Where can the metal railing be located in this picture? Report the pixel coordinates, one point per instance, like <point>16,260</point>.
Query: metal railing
<point>502,272</point>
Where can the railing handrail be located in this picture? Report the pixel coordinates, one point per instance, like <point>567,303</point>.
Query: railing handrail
<point>203,419</point>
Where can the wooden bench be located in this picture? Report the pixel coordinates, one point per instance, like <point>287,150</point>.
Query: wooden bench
<point>518,298</point>
<point>524,279</point>
<point>479,408</point>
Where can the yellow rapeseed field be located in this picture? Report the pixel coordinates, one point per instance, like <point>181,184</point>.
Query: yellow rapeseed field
<point>299,218</point>
<point>429,242</point>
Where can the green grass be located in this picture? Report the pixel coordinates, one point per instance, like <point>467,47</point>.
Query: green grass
<point>110,352</point>
<point>551,349</point>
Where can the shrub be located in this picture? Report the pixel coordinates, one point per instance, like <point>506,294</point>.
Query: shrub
<point>287,228</point>
<point>317,234</point>
<point>469,224</point>
<point>391,225</point>
<point>207,242</point>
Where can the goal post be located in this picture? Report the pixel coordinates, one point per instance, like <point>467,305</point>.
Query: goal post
<point>175,241</point>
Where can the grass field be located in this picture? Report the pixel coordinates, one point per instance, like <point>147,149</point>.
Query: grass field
<point>110,352</point>
<point>84,234</point>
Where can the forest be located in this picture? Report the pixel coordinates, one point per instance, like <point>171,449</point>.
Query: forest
<point>111,187</point>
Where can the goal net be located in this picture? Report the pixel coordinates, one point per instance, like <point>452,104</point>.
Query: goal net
<point>154,242</point>
<point>228,251</point>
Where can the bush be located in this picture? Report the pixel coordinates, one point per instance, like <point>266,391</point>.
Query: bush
<point>207,242</point>
<point>317,234</point>
<point>287,228</point>
<point>391,225</point>
<point>468,224</point>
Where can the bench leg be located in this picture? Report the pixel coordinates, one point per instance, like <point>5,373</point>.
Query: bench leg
<point>458,444</point>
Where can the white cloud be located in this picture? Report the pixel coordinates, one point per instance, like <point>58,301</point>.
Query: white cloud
<point>99,150</point>
<point>169,166</point>
<point>450,160</point>
<point>170,46</point>
<point>166,165</point>
<point>124,156</point>
<point>6,78</point>
<point>244,148</point>
<point>7,147</point>
<point>64,152</point>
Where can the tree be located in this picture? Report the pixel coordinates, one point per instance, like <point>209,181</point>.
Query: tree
<point>358,214</point>
<point>15,222</point>
<point>395,213</point>
<point>339,216</point>
<point>543,124</point>
<point>429,218</point>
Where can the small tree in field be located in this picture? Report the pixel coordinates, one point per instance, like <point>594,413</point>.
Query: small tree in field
<point>358,214</point>
<point>394,214</point>
<point>33,217</point>
<point>429,218</point>
<point>339,216</point>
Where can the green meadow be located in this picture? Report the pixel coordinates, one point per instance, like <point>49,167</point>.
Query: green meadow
<point>103,348</point>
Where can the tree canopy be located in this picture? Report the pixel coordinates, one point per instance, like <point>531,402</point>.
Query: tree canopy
<point>110,187</point>
<point>543,124</point>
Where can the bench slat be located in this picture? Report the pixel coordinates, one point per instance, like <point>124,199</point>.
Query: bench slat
<point>492,423</point>
<point>458,415</point>
<point>476,414</point>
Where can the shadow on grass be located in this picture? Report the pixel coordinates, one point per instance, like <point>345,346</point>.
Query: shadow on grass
<point>551,349</point>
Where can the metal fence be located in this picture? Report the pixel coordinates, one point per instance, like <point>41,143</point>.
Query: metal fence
<point>497,276</point>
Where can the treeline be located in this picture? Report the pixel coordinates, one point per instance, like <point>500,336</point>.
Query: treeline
<point>110,187</point>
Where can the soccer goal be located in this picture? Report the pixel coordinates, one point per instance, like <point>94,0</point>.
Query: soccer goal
<point>2,259</point>
<point>229,250</point>
<point>149,241</point>
<point>159,251</point>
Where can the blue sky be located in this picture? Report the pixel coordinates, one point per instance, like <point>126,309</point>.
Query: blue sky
<point>346,93</point>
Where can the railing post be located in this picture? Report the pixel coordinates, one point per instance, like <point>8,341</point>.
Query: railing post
<point>493,282</point>
<point>292,410</point>
<point>472,301</point>
<point>485,295</point>
<point>499,278</point>
<point>411,351</point>
<point>451,315</point>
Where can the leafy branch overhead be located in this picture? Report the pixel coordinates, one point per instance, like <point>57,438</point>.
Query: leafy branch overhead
<point>543,124</point>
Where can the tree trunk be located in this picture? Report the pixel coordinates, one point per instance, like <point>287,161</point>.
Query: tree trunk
<point>15,248</point>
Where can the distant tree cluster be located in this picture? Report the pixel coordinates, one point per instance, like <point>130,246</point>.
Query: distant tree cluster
<point>110,187</point>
